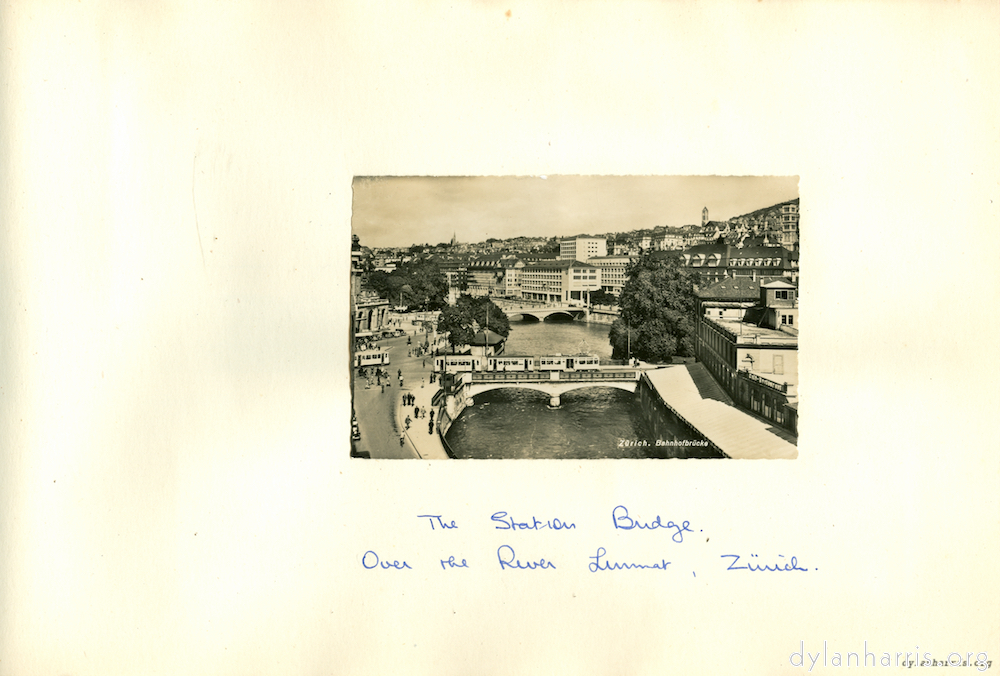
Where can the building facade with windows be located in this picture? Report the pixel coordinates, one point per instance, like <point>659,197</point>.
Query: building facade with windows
<point>790,225</point>
<point>752,257</point>
<point>753,357</point>
<point>582,248</point>
<point>613,271</point>
<point>559,281</point>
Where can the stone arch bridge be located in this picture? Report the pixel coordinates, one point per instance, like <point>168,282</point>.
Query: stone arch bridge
<point>552,383</point>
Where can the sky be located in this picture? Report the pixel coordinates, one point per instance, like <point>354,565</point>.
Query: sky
<point>400,211</point>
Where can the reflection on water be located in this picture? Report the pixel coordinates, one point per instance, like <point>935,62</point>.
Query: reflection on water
<point>551,336</point>
<point>516,423</point>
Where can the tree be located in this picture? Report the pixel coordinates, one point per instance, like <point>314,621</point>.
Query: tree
<point>658,307</point>
<point>418,283</point>
<point>602,297</point>
<point>461,320</point>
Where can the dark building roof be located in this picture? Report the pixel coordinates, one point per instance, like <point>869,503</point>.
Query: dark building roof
<point>735,288</point>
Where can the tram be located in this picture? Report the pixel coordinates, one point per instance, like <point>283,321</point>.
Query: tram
<point>367,358</point>
<point>569,362</point>
<point>457,363</point>
<point>463,363</point>
<point>510,363</point>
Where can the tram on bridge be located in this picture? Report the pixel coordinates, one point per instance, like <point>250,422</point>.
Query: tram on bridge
<point>464,363</point>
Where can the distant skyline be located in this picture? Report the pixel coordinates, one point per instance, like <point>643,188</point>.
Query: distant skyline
<point>402,211</point>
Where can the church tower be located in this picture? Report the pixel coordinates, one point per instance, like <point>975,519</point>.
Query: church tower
<point>704,217</point>
<point>454,238</point>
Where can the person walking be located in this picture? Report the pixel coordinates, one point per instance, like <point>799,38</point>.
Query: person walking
<point>430,427</point>
<point>432,416</point>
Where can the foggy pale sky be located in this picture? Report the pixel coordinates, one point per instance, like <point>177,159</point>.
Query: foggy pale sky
<point>400,211</point>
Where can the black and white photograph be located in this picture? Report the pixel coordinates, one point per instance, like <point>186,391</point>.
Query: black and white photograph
<point>437,338</point>
<point>577,317</point>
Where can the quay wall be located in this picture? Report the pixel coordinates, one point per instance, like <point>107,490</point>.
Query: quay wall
<point>663,419</point>
<point>444,420</point>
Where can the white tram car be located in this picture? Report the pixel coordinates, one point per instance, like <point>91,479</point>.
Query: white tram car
<point>569,362</point>
<point>458,363</point>
<point>367,358</point>
<point>463,363</point>
<point>509,363</point>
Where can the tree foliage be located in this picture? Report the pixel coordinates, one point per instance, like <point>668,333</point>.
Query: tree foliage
<point>658,307</point>
<point>602,297</point>
<point>468,315</point>
<point>417,284</point>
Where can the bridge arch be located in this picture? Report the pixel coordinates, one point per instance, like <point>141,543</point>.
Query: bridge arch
<point>549,388</point>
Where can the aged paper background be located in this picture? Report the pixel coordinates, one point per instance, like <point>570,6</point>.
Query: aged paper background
<point>176,494</point>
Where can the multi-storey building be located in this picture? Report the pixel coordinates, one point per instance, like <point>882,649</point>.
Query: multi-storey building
<point>582,248</point>
<point>613,269</point>
<point>752,257</point>
<point>493,275</point>
<point>559,281</point>
<point>790,225</point>
<point>753,357</point>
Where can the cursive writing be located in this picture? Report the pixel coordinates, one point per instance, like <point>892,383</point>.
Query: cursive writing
<point>505,554</point>
<point>370,560</point>
<point>508,523</point>
<point>597,565</point>
<point>756,567</point>
<point>451,563</point>
<point>622,521</point>
<point>437,517</point>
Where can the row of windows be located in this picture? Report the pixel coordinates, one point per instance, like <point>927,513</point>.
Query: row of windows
<point>755,262</point>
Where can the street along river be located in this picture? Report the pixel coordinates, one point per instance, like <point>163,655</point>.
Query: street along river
<point>598,422</point>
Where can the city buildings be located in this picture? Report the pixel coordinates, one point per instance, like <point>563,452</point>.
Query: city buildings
<point>748,340</point>
<point>559,281</point>
<point>494,275</point>
<point>582,248</point>
<point>613,271</point>
<point>751,257</point>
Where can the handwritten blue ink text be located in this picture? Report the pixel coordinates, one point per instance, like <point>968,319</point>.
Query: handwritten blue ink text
<point>756,567</point>
<point>598,565</point>
<point>505,554</point>
<point>370,560</point>
<point>622,521</point>
<point>450,562</point>
<point>437,517</point>
<point>508,523</point>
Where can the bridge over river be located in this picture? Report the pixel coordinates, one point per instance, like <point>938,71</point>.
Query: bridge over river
<point>541,312</point>
<point>552,383</point>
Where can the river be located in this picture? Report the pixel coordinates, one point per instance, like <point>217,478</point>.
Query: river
<point>595,422</point>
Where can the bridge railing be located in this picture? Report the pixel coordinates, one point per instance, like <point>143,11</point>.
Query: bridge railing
<point>597,375</point>
<point>523,376</point>
<point>502,376</point>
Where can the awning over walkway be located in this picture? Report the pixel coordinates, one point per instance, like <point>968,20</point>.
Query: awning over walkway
<point>735,432</point>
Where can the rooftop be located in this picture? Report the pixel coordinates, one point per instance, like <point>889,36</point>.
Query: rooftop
<point>751,334</point>
<point>737,433</point>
